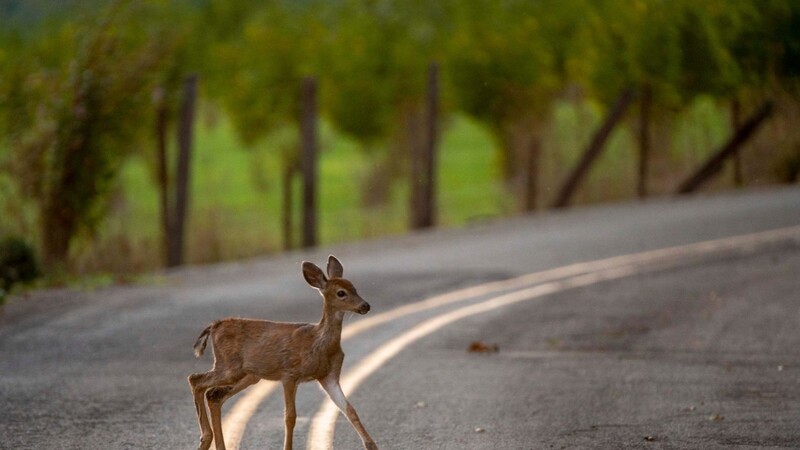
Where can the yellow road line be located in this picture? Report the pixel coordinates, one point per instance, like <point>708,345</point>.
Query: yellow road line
<point>234,423</point>
<point>323,424</point>
<point>236,419</point>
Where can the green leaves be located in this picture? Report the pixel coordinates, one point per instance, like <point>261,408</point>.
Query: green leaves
<point>75,91</point>
<point>500,64</point>
<point>76,110</point>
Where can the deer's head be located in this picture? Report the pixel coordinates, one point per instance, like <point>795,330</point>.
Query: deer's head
<point>338,293</point>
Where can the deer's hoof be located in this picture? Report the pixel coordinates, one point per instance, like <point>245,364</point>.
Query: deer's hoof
<point>371,446</point>
<point>205,442</point>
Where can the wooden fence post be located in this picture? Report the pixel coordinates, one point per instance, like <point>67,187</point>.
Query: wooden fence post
<point>593,150</point>
<point>162,168</point>
<point>423,176</point>
<point>532,173</point>
<point>714,164</point>
<point>287,202</point>
<point>645,101</point>
<point>183,175</point>
<point>308,160</point>
<point>736,122</point>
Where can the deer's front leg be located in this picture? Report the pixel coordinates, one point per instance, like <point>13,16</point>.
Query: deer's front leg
<point>289,412</point>
<point>334,390</point>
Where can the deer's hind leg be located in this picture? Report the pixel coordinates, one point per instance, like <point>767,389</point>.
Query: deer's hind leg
<point>216,396</point>
<point>200,383</point>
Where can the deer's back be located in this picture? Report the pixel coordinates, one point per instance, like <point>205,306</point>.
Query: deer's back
<point>270,350</point>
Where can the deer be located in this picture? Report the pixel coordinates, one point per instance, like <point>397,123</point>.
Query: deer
<point>248,350</point>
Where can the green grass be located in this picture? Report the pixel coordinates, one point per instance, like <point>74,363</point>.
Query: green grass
<point>236,191</point>
<point>470,186</point>
<point>236,194</point>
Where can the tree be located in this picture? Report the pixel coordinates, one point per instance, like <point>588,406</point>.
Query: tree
<point>256,72</point>
<point>767,43</point>
<point>375,62</point>
<point>707,66</point>
<point>502,70</point>
<point>640,42</point>
<point>763,38</point>
<point>76,115</point>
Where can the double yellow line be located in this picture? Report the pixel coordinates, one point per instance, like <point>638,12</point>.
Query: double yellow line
<point>515,290</point>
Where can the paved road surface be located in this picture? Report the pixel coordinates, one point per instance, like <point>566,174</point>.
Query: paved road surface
<point>700,351</point>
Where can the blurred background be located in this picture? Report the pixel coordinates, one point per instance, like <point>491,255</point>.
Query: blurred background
<point>129,128</point>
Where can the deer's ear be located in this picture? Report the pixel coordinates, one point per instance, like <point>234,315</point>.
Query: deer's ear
<point>314,275</point>
<point>335,269</point>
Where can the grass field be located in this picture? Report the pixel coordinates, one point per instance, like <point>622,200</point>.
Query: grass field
<point>236,191</point>
<point>236,194</point>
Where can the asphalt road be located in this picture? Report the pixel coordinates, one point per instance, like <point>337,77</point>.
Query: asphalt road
<point>702,352</point>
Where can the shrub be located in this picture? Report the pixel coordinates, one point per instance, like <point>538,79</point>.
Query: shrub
<point>17,263</point>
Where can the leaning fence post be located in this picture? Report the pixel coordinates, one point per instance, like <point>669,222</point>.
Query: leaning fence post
<point>714,164</point>
<point>593,150</point>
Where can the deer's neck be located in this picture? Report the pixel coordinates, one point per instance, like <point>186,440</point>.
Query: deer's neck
<point>329,328</point>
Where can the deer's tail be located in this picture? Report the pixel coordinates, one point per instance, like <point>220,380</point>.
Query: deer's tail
<point>202,341</point>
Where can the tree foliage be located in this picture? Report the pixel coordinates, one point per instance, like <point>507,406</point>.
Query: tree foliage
<point>74,111</point>
<point>74,95</point>
<point>256,71</point>
<point>374,66</point>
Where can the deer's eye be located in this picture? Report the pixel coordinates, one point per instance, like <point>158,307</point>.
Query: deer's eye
<point>341,293</point>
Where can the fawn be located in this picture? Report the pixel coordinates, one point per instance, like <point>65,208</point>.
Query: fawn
<point>247,350</point>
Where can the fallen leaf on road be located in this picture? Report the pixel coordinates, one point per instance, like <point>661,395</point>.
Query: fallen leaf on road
<point>482,347</point>
<point>479,430</point>
<point>716,417</point>
<point>421,405</point>
<point>650,438</point>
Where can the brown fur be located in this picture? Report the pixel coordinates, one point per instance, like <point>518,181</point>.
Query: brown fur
<point>202,340</point>
<point>246,350</point>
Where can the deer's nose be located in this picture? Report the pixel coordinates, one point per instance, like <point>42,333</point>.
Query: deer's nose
<point>364,308</point>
